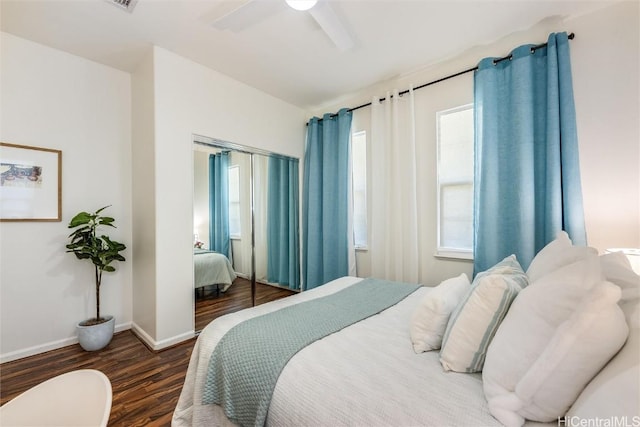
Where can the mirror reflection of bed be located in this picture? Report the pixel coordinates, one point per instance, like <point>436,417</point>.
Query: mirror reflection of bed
<point>245,213</point>
<point>212,268</point>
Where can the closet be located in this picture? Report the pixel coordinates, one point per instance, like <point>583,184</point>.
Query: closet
<point>246,206</point>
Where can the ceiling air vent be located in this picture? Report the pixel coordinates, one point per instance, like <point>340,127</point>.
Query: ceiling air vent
<point>127,5</point>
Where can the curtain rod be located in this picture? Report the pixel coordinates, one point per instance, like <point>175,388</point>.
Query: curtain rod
<point>459,73</point>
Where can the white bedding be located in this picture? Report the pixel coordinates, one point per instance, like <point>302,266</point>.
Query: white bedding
<point>365,375</point>
<point>212,268</point>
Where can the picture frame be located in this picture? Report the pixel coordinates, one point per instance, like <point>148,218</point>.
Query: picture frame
<point>30,183</point>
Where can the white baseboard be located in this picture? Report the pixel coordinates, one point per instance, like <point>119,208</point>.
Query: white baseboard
<point>159,345</point>
<point>52,345</point>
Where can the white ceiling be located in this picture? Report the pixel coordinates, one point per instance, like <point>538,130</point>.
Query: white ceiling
<point>285,54</point>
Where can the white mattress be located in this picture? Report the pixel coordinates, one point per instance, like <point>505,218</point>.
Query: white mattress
<point>366,374</point>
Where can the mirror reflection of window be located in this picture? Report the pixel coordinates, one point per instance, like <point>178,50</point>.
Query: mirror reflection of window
<point>235,229</point>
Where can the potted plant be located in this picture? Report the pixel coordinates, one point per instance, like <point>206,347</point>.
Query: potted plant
<point>95,333</point>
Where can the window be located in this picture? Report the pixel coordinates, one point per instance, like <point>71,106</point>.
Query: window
<point>359,170</point>
<point>455,182</point>
<point>234,201</point>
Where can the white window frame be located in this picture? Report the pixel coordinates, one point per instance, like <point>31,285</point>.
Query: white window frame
<point>443,251</point>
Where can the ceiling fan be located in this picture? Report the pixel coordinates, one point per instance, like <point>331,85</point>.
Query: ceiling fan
<point>253,11</point>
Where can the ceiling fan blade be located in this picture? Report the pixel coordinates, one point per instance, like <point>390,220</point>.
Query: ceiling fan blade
<point>249,13</point>
<point>326,17</point>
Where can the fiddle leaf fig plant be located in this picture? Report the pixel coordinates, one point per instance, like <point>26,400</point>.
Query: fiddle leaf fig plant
<point>86,243</point>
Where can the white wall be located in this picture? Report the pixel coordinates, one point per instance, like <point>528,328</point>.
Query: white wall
<point>55,100</point>
<point>144,197</point>
<point>191,99</point>
<point>606,80</point>
<point>605,59</point>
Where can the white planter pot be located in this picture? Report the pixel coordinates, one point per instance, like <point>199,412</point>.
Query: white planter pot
<point>96,337</point>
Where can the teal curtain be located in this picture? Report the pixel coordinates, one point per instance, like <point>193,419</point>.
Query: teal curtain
<point>325,198</point>
<point>283,244</point>
<point>219,203</point>
<point>527,176</point>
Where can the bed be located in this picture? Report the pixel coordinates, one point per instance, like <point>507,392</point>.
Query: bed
<point>212,268</point>
<point>346,361</point>
<point>369,374</point>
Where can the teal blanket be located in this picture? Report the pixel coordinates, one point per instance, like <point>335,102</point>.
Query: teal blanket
<point>246,363</point>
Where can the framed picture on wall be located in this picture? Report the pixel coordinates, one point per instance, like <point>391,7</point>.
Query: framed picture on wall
<point>31,183</point>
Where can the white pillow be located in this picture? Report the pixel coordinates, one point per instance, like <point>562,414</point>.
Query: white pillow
<point>615,391</point>
<point>556,254</point>
<point>558,333</point>
<point>617,270</point>
<point>430,318</point>
<point>475,320</point>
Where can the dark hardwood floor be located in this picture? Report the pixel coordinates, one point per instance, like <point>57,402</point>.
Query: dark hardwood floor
<point>209,305</point>
<point>146,384</point>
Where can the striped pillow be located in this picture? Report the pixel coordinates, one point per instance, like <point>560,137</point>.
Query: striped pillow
<point>475,320</point>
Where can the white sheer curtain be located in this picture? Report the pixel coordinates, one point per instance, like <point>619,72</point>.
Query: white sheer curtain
<point>353,266</point>
<point>394,219</point>
<point>260,188</point>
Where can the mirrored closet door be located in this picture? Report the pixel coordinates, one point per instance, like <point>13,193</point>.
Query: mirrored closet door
<point>246,227</point>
